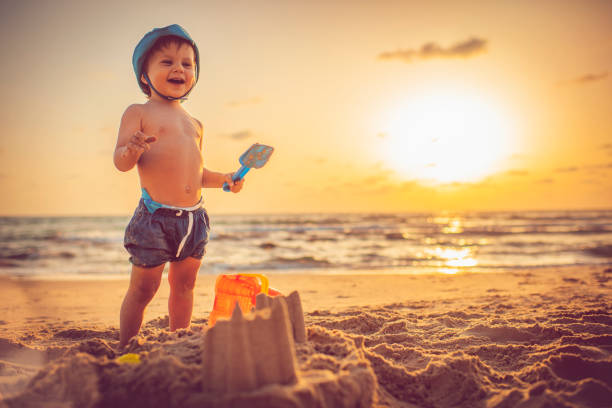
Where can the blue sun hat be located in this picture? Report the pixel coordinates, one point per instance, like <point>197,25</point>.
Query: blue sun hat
<point>147,42</point>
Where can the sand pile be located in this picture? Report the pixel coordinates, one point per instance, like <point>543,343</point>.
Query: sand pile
<point>463,357</point>
<point>498,348</point>
<point>259,360</point>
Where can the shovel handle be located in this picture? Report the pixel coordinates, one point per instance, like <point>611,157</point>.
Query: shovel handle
<point>237,177</point>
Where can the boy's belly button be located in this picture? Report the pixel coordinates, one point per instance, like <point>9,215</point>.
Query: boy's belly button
<point>188,189</point>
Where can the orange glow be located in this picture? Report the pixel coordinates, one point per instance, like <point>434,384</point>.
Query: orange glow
<point>455,257</point>
<point>445,137</point>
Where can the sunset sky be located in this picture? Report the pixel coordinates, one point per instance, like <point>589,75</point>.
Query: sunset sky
<point>371,105</point>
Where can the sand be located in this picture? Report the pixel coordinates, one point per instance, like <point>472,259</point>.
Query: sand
<point>529,338</point>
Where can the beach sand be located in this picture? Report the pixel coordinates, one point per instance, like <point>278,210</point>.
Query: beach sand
<point>528,338</point>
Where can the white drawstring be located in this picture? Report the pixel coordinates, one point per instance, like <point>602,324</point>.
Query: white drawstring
<point>190,214</point>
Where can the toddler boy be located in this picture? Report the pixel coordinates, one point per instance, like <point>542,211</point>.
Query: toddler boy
<point>165,142</point>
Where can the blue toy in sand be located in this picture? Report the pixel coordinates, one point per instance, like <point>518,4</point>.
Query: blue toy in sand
<point>255,157</point>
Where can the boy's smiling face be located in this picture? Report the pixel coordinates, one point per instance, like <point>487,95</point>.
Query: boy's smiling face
<point>171,70</point>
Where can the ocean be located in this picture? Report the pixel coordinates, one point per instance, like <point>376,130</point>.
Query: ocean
<point>81,247</point>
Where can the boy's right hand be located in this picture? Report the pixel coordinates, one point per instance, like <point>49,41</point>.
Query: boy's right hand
<point>139,143</point>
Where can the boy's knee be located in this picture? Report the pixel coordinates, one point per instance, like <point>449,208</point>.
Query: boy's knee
<point>182,282</point>
<point>183,275</point>
<point>144,291</point>
<point>182,285</point>
<point>189,285</point>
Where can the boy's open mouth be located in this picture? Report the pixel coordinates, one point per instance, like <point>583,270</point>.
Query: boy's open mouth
<point>176,81</point>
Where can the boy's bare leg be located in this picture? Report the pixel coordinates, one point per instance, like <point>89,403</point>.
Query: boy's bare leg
<point>182,277</point>
<point>144,283</point>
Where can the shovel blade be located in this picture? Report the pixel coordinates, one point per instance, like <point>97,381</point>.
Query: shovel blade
<point>256,156</point>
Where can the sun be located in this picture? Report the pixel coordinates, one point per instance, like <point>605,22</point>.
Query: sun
<point>445,137</point>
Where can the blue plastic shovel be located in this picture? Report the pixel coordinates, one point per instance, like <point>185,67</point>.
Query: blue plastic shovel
<point>255,157</point>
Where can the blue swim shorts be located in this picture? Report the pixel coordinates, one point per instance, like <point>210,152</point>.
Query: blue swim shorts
<point>166,235</point>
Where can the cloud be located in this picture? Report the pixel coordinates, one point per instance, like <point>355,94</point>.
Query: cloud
<point>570,169</point>
<point>379,182</point>
<point>409,185</point>
<point>591,168</point>
<point>518,173</point>
<point>242,135</point>
<point>376,179</point>
<point>592,181</point>
<point>602,166</point>
<point>545,181</point>
<point>462,49</point>
<point>249,101</point>
<point>584,79</point>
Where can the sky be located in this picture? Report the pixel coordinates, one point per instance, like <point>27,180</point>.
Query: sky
<point>371,106</point>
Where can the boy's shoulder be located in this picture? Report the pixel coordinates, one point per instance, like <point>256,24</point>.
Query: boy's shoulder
<point>200,126</point>
<point>133,114</point>
<point>140,110</point>
<point>135,109</point>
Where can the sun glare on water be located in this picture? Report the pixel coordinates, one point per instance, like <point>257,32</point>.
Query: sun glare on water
<point>447,137</point>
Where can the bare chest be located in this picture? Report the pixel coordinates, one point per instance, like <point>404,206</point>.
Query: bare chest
<point>178,142</point>
<point>166,127</point>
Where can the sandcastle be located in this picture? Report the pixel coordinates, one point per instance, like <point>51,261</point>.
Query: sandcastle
<point>294,309</point>
<point>250,361</point>
<point>248,352</point>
